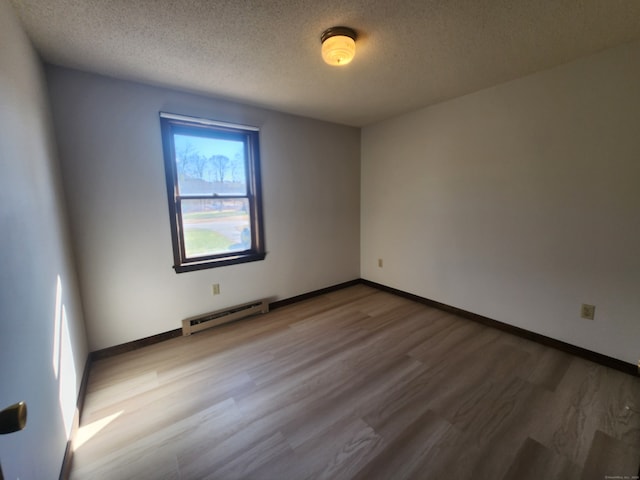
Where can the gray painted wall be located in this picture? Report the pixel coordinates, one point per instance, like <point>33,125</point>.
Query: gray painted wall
<point>519,202</point>
<point>108,132</point>
<point>39,363</point>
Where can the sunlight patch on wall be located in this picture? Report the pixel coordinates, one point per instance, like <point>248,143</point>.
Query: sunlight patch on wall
<point>67,394</point>
<point>63,363</point>
<point>57,319</point>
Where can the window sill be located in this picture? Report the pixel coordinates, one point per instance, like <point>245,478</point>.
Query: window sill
<point>219,262</point>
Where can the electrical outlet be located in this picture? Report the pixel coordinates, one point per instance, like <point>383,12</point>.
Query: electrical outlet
<point>380,262</point>
<point>215,289</point>
<point>588,311</point>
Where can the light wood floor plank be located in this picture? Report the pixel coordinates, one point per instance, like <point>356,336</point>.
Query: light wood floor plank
<point>356,383</point>
<point>405,457</point>
<point>534,461</point>
<point>610,458</point>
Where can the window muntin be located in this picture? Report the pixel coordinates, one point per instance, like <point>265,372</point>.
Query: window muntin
<point>213,188</point>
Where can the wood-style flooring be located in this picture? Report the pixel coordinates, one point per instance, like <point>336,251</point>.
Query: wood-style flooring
<point>357,383</point>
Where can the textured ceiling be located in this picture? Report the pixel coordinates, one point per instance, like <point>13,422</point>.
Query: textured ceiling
<point>410,53</point>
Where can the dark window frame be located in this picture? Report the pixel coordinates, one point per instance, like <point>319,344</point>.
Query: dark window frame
<point>171,124</point>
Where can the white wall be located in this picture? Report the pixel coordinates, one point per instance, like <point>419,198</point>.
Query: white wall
<point>518,202</point>
<point>111,153</point>
<point>34,252</point>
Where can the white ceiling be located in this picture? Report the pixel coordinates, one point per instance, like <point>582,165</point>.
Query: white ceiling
<point>410,53</point>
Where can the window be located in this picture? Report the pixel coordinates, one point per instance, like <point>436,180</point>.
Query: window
<point>213,187</point>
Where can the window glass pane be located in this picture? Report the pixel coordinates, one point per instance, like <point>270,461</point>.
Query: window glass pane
<point>208,166</point>
<point>215,226</point>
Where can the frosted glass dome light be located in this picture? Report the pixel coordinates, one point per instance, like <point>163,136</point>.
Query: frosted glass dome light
<point>338,45</point>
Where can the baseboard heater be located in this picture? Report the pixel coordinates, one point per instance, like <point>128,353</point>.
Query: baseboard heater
<point>207,320</point>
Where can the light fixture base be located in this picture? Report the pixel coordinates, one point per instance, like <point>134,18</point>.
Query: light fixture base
<point>334,31</point>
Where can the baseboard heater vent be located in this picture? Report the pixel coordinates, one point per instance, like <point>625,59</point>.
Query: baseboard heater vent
<point>212,319</point>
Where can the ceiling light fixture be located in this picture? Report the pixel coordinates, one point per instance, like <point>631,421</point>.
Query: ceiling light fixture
<point>338,45</point>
